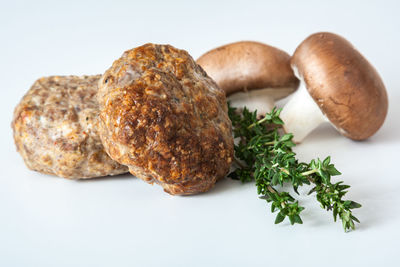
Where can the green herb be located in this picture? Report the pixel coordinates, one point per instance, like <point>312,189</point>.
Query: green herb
<point>265,156</point>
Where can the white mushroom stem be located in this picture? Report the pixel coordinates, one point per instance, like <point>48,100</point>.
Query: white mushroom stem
<point>301,114</point>
<point>262,100</point>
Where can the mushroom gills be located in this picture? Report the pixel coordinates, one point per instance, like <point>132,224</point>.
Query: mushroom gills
<point>301,114</point>
<point>262,100</point>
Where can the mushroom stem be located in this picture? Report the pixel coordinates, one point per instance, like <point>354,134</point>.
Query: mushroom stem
<point>262,100</point>
<point>301,114</point>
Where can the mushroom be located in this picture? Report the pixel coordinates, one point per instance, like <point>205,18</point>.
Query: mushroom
<point>251,73</point>
<point>337,85</point>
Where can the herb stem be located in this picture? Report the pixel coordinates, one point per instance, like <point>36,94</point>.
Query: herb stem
<point>258,122</point>
<point>306,173</point>
<point>270,143</point>
<point>271,189</point>
<point>285,171</point>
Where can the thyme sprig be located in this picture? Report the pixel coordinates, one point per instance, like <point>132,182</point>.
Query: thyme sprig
<point>265,156</point>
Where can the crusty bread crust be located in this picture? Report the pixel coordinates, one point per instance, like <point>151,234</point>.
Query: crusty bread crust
<point>163,117</point>
<point>55,129</point>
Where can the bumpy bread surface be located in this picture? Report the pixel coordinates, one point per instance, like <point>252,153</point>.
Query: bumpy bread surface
<point>55,129</point>
<point>163,117</point>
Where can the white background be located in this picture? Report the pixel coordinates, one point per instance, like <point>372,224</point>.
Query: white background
<point>122,221</point>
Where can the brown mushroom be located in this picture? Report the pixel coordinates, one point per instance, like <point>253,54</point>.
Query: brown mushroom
<point>337,85</point>
<point>251,73</point>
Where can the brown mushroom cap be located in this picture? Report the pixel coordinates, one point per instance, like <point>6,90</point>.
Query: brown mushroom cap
<point>246,65</point>
<point>346,87</point>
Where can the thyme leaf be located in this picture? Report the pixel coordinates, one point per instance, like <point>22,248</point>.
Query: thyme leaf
<point>265,156</point>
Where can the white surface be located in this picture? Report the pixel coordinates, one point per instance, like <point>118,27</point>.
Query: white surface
<point>48,221</point>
